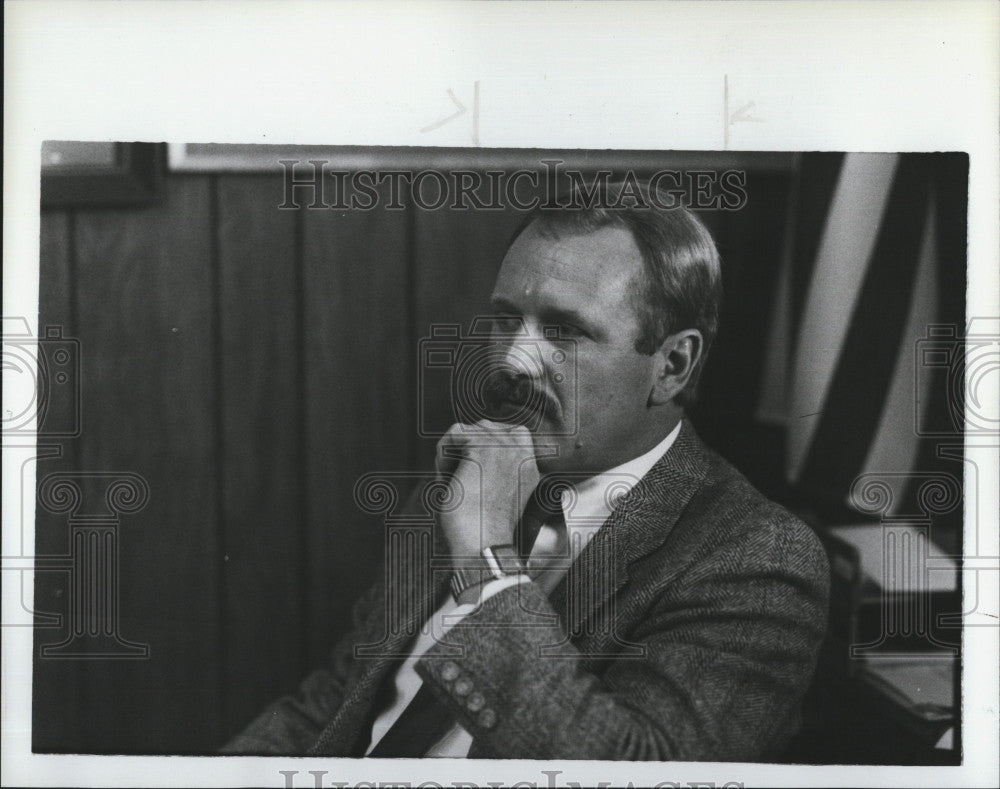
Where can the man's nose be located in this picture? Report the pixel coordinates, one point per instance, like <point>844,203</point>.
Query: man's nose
<point>523,356</point>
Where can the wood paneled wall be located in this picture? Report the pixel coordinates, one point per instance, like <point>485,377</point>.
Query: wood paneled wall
<point>251,364</point>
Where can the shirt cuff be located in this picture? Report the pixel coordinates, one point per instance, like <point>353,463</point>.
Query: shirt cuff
<point>491,588</point>
<point>486,591</point>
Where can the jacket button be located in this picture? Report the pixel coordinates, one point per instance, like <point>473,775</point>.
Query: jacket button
<point>462,686</point>
<point>449,671</point>
<point>475,702</point>
<point>487,719</point>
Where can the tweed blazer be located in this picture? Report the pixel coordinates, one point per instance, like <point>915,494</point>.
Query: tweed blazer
<point>687,629</point>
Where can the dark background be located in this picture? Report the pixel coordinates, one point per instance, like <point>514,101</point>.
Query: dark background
<point>251,364</point>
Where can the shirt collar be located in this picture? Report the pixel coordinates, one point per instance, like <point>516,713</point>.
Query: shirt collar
<point>591,501</point>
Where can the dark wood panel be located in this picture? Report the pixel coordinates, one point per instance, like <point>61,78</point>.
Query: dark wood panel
<point>457,255</point>
<point>456,258</point>
<point>749,244</point>
<point>55,285</point>
<point>146,316</point>
<point>358,361</point>
<point>58,702</point>
<point>260,449</point>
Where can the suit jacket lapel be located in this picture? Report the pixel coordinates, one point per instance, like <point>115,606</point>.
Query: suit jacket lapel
<point>640,523</point>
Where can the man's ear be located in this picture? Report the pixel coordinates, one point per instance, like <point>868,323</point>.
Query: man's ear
<point>675,361</point>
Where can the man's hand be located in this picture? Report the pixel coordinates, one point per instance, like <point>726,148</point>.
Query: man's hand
<point>491,470</point>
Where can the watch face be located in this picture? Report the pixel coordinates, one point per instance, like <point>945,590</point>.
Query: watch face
<point>507,559</point>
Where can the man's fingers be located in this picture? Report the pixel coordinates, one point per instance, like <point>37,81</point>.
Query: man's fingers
<point>450,450</point>
<point>510,434</point>
<point>457,436</point>
<point>501,428</point>
<point>460,440</point>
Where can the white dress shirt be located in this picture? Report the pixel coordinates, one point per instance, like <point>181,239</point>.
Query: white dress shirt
<point>586,507</point>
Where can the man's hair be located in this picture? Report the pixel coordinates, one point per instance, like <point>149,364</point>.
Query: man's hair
<point>681,284</point>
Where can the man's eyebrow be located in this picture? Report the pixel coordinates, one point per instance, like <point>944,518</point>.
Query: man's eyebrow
<point>556,315</point>
<point>549,314</point>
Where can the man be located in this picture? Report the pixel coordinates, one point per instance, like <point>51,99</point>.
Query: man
<point>655,607</point>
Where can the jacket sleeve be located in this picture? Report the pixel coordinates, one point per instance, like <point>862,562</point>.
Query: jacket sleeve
<point>728,648</point>
<point>290,725</point>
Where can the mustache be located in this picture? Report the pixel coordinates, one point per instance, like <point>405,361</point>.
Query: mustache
<point>504,388</point>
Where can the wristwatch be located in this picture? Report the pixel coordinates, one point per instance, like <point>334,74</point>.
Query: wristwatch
<point>496,561</point>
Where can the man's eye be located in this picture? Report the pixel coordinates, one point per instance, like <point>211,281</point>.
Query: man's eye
<point>570,330</point>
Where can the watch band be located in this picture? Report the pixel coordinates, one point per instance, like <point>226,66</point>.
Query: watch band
<point>496,561</point>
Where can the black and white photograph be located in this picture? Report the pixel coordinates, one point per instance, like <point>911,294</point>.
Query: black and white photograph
<point>332,461</point>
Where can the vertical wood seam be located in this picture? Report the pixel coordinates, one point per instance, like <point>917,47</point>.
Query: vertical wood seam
<point>83,699</point>
<point>72,265</point>
<point>412,339</point>
<point>220,543</point>
<point>302,509</point>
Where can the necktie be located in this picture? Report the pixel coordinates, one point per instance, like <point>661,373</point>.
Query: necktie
<point>544,507</point>
<point>426,719</point>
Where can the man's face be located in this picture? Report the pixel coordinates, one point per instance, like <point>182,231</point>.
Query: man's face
<point>582,285</point>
